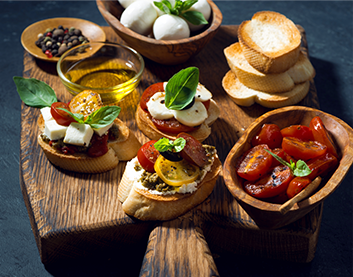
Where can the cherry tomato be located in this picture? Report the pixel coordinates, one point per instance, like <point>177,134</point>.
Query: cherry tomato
<point>99,146</point>
<point>60,116</point>
<point>303,150</point>
<point>272,184</point>
<point>147,156</point>
<point>321,165</point>
<point>298,131</point>
<point>256,163</point>
<point>297,185</point>
<point>172,126</point>
<point>321,135</point>
<point>148,93</point>
<point>269,134</point>
<point>193,151</point>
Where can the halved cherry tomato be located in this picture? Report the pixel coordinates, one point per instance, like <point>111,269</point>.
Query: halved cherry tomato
<point>99,146</point>
<point>148,93</point>
<point>147,156</point>
<point>269,134</point>
<point>172,126</point>
<point>272,184</point>
<point>321,135</point>
<point>193,151</point>
<point>256,163</point>
<point>60,116</point>
<point>297,185</point>
<point>298,131</point>
<point>321,165</point>
<point>303,150</point>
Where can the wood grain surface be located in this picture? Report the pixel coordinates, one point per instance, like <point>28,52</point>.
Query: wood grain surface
<point>76,215</point>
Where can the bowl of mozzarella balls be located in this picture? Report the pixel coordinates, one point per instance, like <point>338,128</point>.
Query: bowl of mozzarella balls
<point>168,32</point>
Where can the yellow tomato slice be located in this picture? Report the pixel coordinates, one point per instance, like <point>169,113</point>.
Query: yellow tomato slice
<point>86,102</point>
<point>176,173</point>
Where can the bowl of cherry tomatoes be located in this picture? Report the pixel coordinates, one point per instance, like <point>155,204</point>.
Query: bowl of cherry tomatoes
<point>280,155</point>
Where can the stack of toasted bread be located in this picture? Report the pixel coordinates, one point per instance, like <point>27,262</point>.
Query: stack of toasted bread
<point>267,65</point>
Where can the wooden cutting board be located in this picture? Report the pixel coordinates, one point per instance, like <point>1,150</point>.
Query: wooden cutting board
<point>78,215</point>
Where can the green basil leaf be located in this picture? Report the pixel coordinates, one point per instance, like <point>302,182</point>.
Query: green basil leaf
<point>162,145</point>
<point>188,4</point>
<point>194,17</point>
<point>179,144</point>
<point>164,6</point>
<point>301,169</point>
<point>35,93</point>
<point>103,117</point>
<point>181,88</point>
<point>77,116</point>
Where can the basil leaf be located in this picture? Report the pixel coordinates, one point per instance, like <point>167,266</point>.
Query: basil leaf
<point>162,145</point>
<point>35,93</point>
<point>77,116</point>
<point>188,4</point>
<point>301,169</point>
<point>194,17</point>
<point>181,88</point>
<point>179,144</point>
<point>103,117</point>
<point>163,6</point>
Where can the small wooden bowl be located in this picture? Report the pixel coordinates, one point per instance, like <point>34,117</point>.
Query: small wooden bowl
<point>267,215</point>
<point>29,36</point>
<point>168,52</point>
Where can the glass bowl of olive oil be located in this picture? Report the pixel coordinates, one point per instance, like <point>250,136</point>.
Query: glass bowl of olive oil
<point>110,69</point>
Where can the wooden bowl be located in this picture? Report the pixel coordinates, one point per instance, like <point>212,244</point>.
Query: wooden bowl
<point>29,36</point>
<point>267,215</point>
<point>169,52</point>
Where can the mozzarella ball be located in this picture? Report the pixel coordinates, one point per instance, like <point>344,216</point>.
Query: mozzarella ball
<point>203,7</point>
<point>170,27</point>
<point>139,17</point>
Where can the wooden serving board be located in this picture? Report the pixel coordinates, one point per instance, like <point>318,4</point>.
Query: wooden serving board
<point>78,215</point>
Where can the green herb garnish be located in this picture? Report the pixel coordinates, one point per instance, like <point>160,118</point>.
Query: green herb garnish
<point>299,169</point>
<point>181,88</point>
<point>35,93</point>
<point>99,118</point>
<point>193,17</point>
<point>164,145</point>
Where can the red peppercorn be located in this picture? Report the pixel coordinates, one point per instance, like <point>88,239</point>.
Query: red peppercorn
<point>49,34</point>
<point>48,53</point>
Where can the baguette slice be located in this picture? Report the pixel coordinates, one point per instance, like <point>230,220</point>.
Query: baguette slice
<point>124,148</point>
<point>245,96</point>
<point>147,127</point>
<point>300,72</point>
<point>270,41</point>
<point>144,205</point>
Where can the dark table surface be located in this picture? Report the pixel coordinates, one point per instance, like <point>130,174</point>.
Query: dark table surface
<point>329,31</point>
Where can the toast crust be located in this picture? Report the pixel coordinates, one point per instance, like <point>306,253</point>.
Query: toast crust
<point>144,205</point>
<point>275,28</point>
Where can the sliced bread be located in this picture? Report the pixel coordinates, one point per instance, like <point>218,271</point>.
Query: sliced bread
<point>270,41</point>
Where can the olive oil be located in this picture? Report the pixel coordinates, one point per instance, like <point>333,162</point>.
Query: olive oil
<point>104,76</point>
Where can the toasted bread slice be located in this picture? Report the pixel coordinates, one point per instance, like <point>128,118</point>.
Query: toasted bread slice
<point>300,72</point>
<point>124,148</point>
<point>146,125</point>
<point>270,41</point>
<point>245,96</point>
<point>144,205</point>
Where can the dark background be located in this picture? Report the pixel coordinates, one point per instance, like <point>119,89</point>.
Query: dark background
<point>329,31</point>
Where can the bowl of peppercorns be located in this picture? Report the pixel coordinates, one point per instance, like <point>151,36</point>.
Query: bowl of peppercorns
<point>49,39</point>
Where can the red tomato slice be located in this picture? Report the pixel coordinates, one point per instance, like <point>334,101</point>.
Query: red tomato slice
<point>149,92</point>
<point>256,163</point>
<point>298,131</point>
<point>172,126</point>
<point>297,185</point>
<point>272,184</point>
<point>193,151</point>
<point>99,146</point>
<point>147,156</point>
<point>321,135</point>
<point>269,134</point>
<point>303,150</point>
<point>321,165</point>
<point>60,116</point>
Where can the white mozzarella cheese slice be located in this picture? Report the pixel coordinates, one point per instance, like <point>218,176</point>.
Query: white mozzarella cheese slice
<point>53,130</point>
<point>78,134</point>
<point>194,116</point>
<point>102,131</point>
<point>46,113</point>
<point>156,107</point>
<point>202,93</point>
